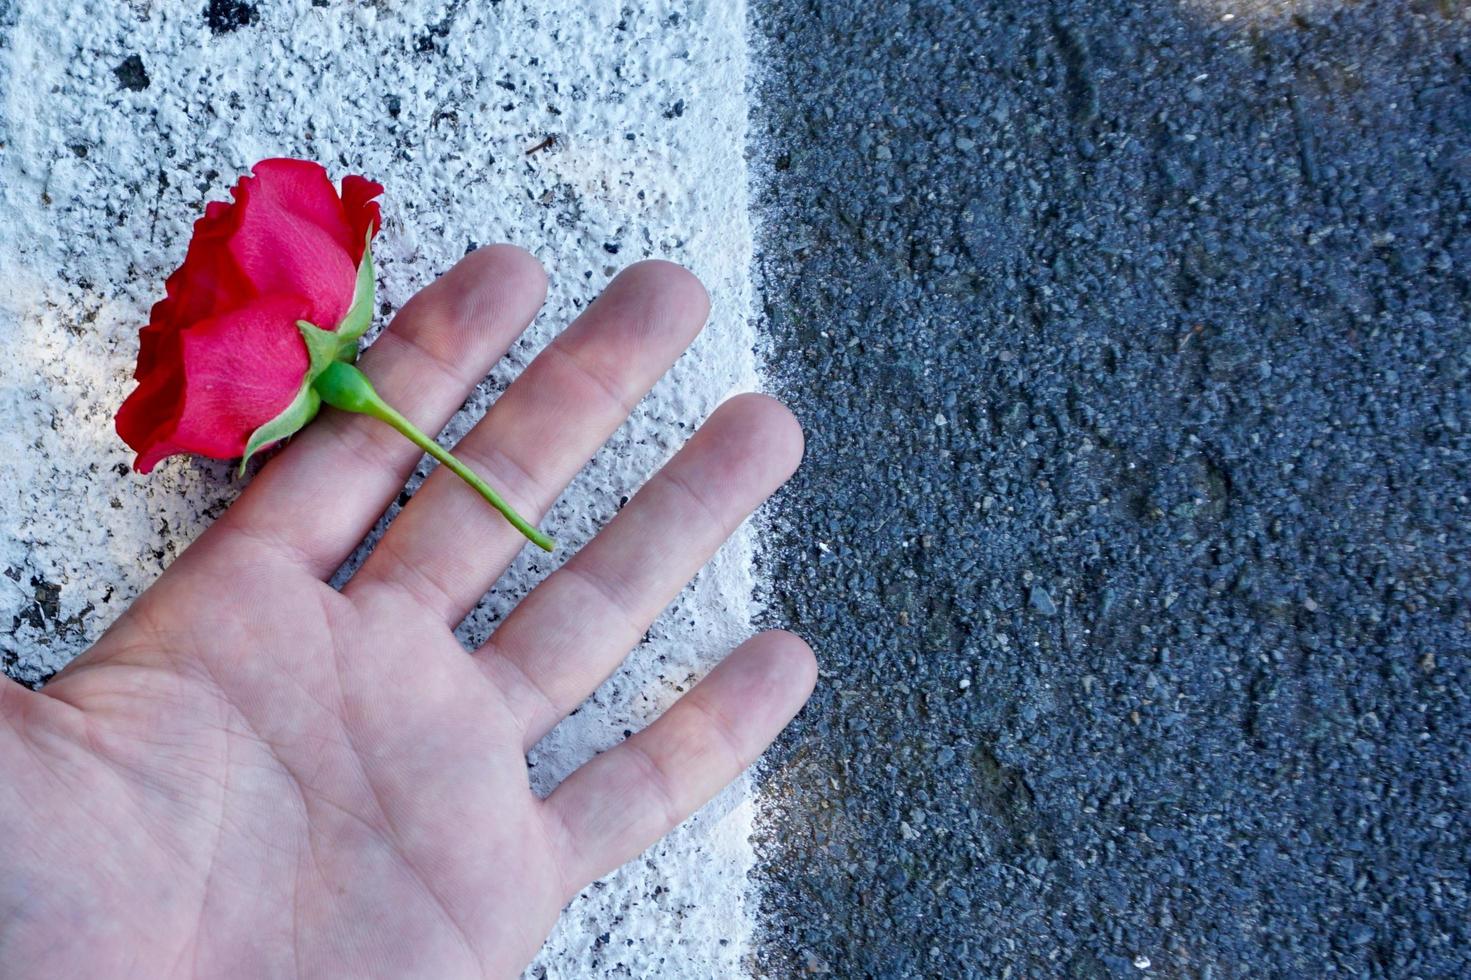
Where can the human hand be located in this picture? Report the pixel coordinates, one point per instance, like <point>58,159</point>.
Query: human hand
<point>252,774</point>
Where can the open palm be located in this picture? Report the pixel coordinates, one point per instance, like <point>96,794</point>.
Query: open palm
<point>254,774</point>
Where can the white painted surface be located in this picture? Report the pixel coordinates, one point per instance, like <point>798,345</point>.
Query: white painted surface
<point>100,185</point>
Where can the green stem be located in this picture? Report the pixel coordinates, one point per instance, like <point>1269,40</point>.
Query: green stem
<point>344,386</point>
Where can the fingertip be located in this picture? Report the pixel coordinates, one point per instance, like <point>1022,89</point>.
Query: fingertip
<point>510,268</point>
<point>790,661</point>
<point>770,675</point>
<point>774,426</point>
<point>666,296</point>
<point>675,280</point>
<point>758,438</point>
<point>488,298</point>
<point>514,259</point>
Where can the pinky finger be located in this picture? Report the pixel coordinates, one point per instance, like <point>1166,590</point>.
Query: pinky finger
<point>619,803</point>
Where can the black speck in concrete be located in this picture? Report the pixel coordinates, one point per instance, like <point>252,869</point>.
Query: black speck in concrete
<point>131,74</point>
<point>224,16</point>
<point>428,42</point>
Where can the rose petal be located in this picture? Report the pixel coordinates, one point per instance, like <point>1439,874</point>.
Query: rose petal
<point>293,237</point>
<point>363,215</point>
<point>303,188</point>
<point>148,415</point>
<point>238,371</point>
<point>209,282</point>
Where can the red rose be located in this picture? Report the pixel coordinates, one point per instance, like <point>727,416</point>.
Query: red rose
<point>223,355</point>
<point>261,323</point>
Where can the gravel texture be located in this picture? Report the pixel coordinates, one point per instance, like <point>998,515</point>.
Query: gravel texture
<point>1131,340</point>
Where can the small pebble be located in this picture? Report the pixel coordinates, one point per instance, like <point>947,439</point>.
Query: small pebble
<point>1041,601</point>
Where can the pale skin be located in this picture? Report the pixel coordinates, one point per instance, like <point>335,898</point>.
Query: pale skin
<point>252,774</point>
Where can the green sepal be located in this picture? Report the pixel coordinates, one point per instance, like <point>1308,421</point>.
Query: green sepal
<point>303,409</point>
<point>323,348</point>
<point>360,313</point>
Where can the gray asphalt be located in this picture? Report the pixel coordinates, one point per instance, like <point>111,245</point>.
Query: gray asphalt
<point>1132,347</point>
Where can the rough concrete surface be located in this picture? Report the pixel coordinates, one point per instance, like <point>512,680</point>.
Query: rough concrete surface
<point>593,135</point>
<point>1131,341</point>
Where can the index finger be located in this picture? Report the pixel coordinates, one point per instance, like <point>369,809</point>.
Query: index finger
<point>314,502</point>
